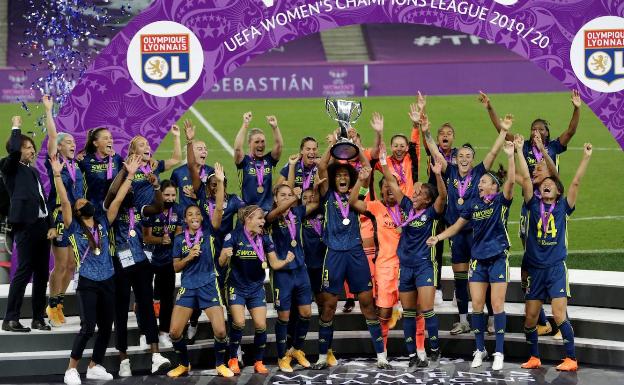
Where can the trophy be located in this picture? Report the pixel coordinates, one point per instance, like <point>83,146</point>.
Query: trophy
<point>345,112</point>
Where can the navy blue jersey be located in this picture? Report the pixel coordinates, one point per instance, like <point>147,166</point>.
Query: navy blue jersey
<point>249,182</point>
<point>302,174</point>
<point>282,238</point>
<point>200,270</point>
<point>98,176</point>
<point>231,205</point>
<point>549,247</point>
<point>314,248</point>
<point>245,270</point>
<point>452,178</point>
<point>181,176</point>
<point>91,266</point>
<point>413,250</point>
<point>489,225</point>
<point>75,189</point>
<point>336,235</point>
<point>123,238</point>
<point>554,148</point>
<point>142,188</point>
<point>167,221</point>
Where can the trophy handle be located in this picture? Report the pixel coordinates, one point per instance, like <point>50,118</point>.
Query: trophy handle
<point>357,109</point>
<point>329,107</point>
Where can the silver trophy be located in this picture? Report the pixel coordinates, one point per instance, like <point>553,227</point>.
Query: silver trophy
<point>346,113</point>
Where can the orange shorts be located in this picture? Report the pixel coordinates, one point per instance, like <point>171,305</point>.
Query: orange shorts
<point>387,286</point>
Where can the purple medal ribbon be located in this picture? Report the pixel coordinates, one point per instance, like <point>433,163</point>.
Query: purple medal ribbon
<point>537,194</point>
<point>545,215</point>
<point>259,172</point>
<point>448,158</point>
<point>167,220</point>
<point>538,154</point>
<point>463,186</point>
<point>307,179</point>
<point>147,169</point>
<point>202,174</point>
<point>131,219</point>
<point>413,215</point>
<point>489,198</point>
<point>291,223</point>
<point>399,170</point>
<point>211,207</point>
<point>395,214</point>
<point>256,244</point>
<point>109,169</point>
<point>71,168</point>
<point>316,225</point>
<point>344,208</point>
<point>187,238</point>
<point>96,238</point>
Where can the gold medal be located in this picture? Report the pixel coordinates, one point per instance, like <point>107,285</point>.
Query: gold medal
<point>260,189</point>
<point>293,243</point>
<point>264,265</point>
<point>97,251</point>
<point>132,233</point>
<point>460,201</point>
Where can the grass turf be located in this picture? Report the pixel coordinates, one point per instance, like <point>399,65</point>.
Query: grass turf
<point>600,194</point>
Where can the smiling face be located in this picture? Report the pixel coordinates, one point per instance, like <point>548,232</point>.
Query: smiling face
<point>399,147</point>
<point>255,222</point>
<point>309,152</point>
<point>549,190</point>
<point>257,145</point>
<point>465,156</point>
<point>446,136</point>
<point>67,146</point>
<point>201,152</point>
<point>386,194</point>
<point>104,142</point>
<point>169,194</point>
<point>308,196</point>
<point>487,186</point>
<point>141,146</point>
<point>342,180</point>
<point>193,218</point>
<point>282,194</point>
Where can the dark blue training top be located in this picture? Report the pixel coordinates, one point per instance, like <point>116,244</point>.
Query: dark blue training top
<point>245,270</point>
<point>201,270</point>
<point>91,266</point>
<point>336,235</point>
<point>282,239</point>
<point>169,220</point>
<point>249,182</point>
<point>413,250</point>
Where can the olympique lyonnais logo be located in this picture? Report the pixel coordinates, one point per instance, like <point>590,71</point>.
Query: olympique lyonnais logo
<point>604,54</point>
<point>165,58</point>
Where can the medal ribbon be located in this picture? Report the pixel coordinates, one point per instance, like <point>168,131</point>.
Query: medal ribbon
<point>490,197</point>
<point>316,225</point>
<point>187,238</point>
<point>545,215</point>
<point>307,179</point>
<point>256,244</point>
<point>96,237</point>
<point>463,186</point>
<point>202,174</point>
<point>211,207</point>
<point>398,168</point>
<point>259,172</point>
<point>291,223</point>
<point>167,220</point>
<point>147,169</point>
<point>109,168</point>
<point>71,168</point>
<point>344,208</point>
<point>131,219</point>
<point>538,154</point>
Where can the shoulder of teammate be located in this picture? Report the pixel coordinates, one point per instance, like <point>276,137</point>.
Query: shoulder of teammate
<point>374,207</point>
<point>556,146</point>
<point>299,212</point>
<point>533,202</point>
<point>432,213</point>
<point>244,162</point>
<point>160,167</point>
<point>269,158</point>
<point>406,204</point>
<point>267,243</point>
<point>479,170</point>
<point>465,210</point>
<point>504,201</point>
<point>563,200</point>
<point>284,170</point>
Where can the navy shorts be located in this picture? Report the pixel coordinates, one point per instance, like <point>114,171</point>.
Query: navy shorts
<point>461,246</point>
<point>547,282</point>
<point>316,279</point>
<point>62,240</point>
<point>288,285</point>
<point>249,298</point>
<point>411,278</point>
<point>201,297</point>
<point>346,265</point>
<point>492,270</point>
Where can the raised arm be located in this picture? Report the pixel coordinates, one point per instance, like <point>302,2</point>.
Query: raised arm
<point>354,201</point>
<point>217,216</point>
<point>131,166</point>
<point>567,135</point>
<point>323,164</point>
<point>523,178</point>
<point>191,163</point>
<point>448,233</point>
<point>157,205</point>
<point>440,201</point>
<point>431,145</point>
<point>50,125</point>
<point>239,142</point>
<point>504,124</point>
<point>15,147</point>
<point>66,208</point>
<point>277,263</point>
<point>377,124</point>
<point>292,165</point>
<point>390,179</point>
<point>414,115</point>
<point>281,209</point>
<point>511,170</point>
<point>580,172</point>
<point>176,157</point>
<point>550,163</point>
<point>485,100</point>
<point>278,141</point>
<point>114,187</point>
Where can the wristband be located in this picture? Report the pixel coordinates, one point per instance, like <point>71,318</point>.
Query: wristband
<point>363,191</point>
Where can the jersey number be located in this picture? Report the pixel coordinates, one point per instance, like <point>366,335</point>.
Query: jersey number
<point>550,229</point>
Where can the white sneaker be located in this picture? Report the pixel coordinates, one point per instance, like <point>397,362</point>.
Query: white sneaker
<point>191,332</point>
<point>143,343</point>
<point>72,377</point>
<point>159,363</point>
<point>164,341</point>
<point>479,356</point>
<point>499,359</point>
<point>98,373</point>
<point>438,298</point>
<point>124,368</point>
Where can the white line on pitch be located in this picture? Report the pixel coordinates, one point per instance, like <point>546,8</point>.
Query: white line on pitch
<point>570,252</point>
<point>601,218</point>
<point>212,131</point>
<point>569,148</point>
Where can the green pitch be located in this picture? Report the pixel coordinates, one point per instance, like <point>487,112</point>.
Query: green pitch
<point>595,236</point>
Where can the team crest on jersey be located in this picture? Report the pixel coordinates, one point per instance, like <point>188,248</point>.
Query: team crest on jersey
<point>604,54</point>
